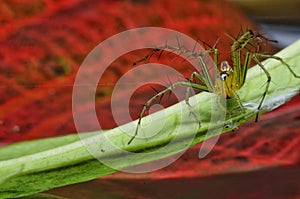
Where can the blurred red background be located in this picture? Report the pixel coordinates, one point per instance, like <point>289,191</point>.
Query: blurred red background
<point>43,42</point>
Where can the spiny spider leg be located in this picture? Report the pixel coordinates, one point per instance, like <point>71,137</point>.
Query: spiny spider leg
<point>264,56</point>
<point>207,82</point>
<point>256,58</point>
<point>187,95</point>
<point>147,57</point>
<point>168,89</point>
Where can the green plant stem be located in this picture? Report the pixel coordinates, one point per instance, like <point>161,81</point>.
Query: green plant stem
<point>34,166</point>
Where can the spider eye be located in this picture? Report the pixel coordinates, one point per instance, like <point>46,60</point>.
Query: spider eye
<point>224,64</point>
<point>224,67</point>
<point>223,76</point>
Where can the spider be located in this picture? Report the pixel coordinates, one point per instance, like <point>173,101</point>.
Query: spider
<point>228,79</point>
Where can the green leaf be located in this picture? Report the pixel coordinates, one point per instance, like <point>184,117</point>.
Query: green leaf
<point>34,166</point>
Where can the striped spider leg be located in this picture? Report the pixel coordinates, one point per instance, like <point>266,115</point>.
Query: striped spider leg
<point>206,83</point>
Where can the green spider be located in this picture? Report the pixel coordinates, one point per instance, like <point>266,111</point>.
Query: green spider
<point>228,79</point>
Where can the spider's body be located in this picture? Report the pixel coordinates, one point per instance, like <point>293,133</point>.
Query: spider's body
<point>225,83</point>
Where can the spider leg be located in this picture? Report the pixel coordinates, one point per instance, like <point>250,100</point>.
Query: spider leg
<point>254,57</point>
<point>238,100</point>
<point>207,83</point>
<point>264,56</point>
<point>168,89</point>
<point>206,80</point>
<point>147,57</point>
<point>187,95</point>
